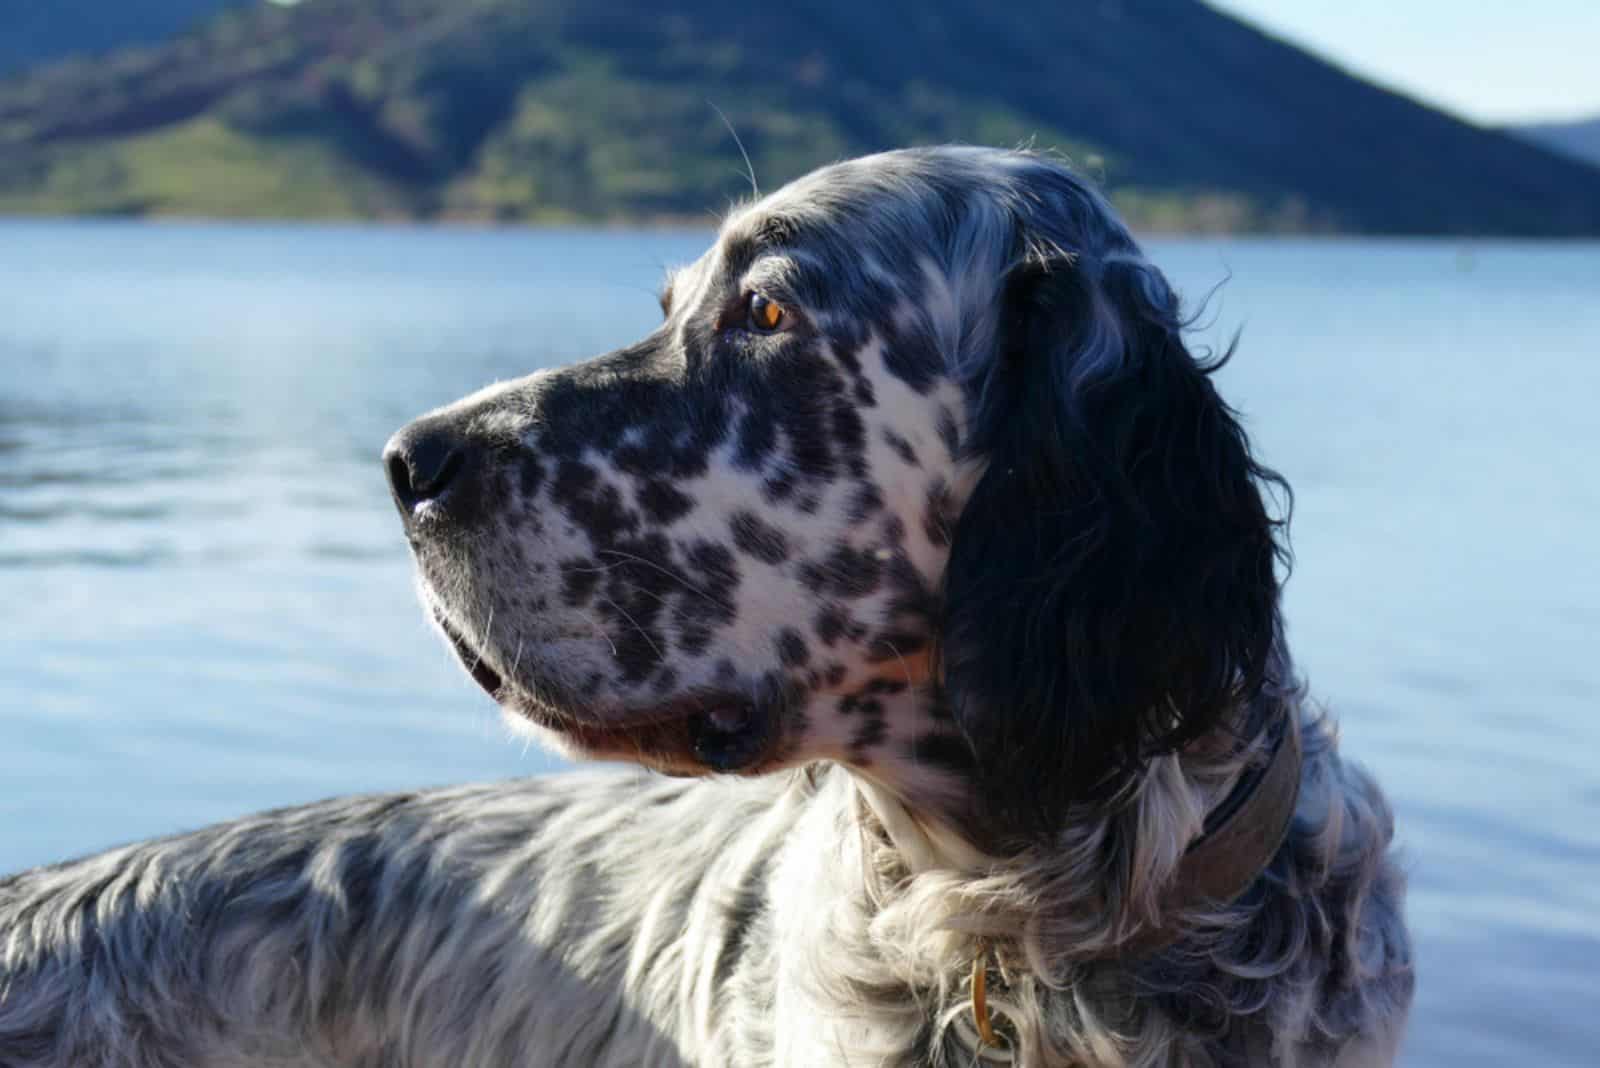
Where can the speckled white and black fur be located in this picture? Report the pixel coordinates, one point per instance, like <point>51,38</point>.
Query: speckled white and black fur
<point>985,565</point>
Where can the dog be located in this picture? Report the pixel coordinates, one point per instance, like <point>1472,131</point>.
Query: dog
<point>919,553</point>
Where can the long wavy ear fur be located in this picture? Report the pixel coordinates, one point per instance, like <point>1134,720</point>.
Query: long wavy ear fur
<point>1111,591</point>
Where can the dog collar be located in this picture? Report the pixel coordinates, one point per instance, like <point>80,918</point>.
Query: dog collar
<point>1239,839</point>
<point>1237,842</point>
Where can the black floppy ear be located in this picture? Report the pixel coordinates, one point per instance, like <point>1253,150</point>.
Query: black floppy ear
<point>1111,591</point>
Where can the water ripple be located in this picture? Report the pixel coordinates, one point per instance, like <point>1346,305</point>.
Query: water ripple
<point>209,605</point>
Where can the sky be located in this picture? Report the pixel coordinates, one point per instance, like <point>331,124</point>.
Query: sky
<point>1490,61</point>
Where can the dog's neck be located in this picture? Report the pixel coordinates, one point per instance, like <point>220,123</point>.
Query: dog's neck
<point>1194,831</point>
<point>1061,919</point>
<point>926,844</point>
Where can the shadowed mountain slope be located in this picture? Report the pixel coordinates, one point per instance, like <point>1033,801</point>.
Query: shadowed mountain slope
<point>597,109</point>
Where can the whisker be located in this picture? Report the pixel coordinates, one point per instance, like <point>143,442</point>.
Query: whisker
<point>599,630</point>
<point>674,576</point>
<point>750,169</point>
<point>660,656</point>
<point>910,682</point>
<point>477,652</point>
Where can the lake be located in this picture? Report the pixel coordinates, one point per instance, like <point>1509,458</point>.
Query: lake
<point>208,603</point>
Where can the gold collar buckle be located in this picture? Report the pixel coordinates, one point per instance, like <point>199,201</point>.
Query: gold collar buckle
<point>982,1021</point>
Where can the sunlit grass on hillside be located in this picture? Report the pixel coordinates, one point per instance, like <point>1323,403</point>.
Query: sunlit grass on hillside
<point>201,168</point>
<point>555,163</point>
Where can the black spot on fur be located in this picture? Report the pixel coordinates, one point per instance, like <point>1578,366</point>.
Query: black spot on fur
<point>573,479</point>
<point>850,433</point>
<point>910,358</point>
<point>869,734</point>
<point>762,540</point>
<point>637,652</point>
<point>894,644</point>
<point>640,577</point>
<point>867,500</point>
<point>812,448</point>
<point>902,448</point>
<point>938,513</point>
<point>716,576</point>
<point>579,577</point>
<point>596,506</point>
<point>844,572</point>
<point>663,502</point>
<point>949,431</point>
<point>706,600</point>
<point>530,476</point>
<point>831,623</point>
<point>855,703</point>
<point>758,436</point>
<point>694,639</point>
<point>792,649</point>
<point>741,914</point>
<point>848,355</point>
<point>777,488</point>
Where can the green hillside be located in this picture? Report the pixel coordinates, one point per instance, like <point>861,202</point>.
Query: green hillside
<point>602,109</point>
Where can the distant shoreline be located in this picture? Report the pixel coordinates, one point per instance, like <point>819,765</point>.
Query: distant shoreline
<point>507,112</point>
<point>678,224</point>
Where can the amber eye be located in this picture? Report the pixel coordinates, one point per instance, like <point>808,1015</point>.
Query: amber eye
<point>763,315</point>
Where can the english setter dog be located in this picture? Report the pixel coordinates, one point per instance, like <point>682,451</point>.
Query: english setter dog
<point>919,553</point>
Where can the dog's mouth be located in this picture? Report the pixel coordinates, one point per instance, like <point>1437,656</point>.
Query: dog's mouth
<point>482,674</point>
<point>707,731</point>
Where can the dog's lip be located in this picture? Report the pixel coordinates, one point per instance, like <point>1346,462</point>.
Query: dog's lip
<point>698,732</point>
<point>472,659</point>
<point>718,729</point>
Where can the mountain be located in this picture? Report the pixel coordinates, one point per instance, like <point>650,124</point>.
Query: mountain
<point>35,31</point>
<point>1580,140</point>
<point>607,109</point>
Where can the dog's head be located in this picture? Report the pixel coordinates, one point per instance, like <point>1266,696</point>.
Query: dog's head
<point>916,475</point>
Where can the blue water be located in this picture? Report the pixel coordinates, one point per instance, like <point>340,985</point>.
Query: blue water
<point>207,605</point>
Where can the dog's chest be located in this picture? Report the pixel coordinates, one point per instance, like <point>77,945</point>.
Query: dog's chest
<point>835,1000</point>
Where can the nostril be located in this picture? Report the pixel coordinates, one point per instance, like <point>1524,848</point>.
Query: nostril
<point>438,476</point>
<point>422,462</point>
<point>400,477</point>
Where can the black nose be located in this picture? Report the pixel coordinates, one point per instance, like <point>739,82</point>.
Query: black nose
<point>424,460</point>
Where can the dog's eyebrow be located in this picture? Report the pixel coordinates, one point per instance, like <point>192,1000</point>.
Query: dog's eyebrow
<point>776,230</point>
<point>770,232</point>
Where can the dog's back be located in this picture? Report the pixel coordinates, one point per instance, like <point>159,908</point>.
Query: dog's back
<point>614,919</point>
<point>519,923</point>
